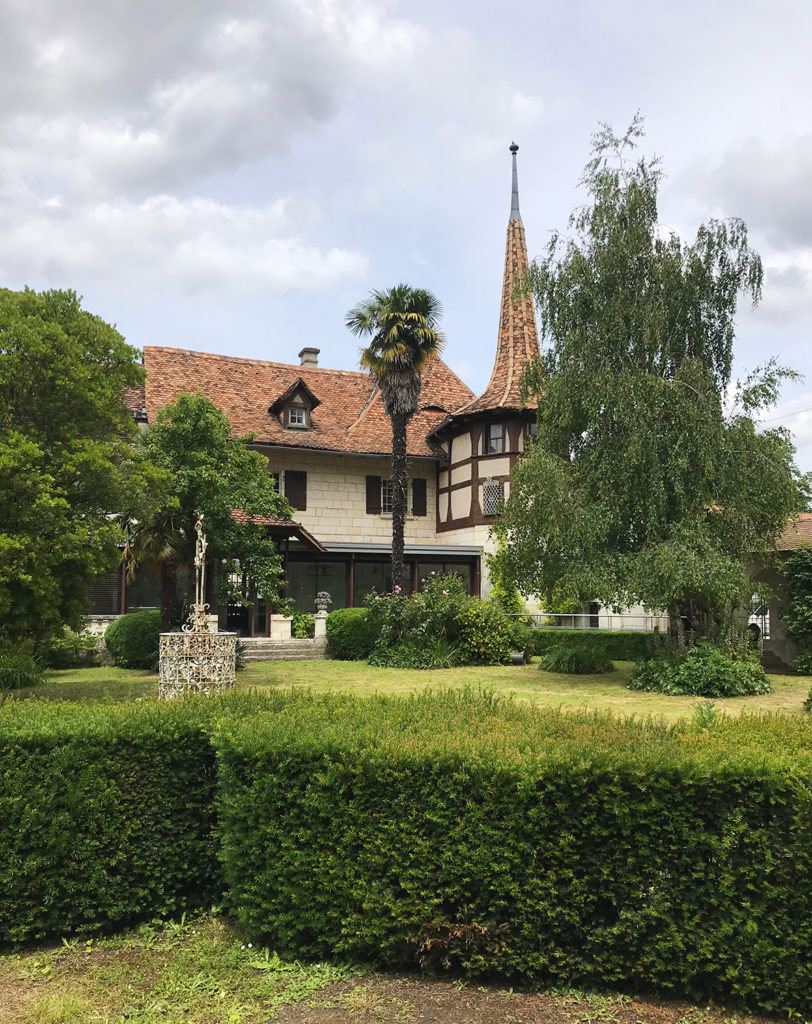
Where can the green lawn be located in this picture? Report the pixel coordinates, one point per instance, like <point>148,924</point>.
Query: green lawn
<point>202,971</point>
<point>524,682</point>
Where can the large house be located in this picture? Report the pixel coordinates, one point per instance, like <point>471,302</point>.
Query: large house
<point>329,442</point>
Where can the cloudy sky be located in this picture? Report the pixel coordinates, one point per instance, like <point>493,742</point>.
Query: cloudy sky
<point>232,177</point>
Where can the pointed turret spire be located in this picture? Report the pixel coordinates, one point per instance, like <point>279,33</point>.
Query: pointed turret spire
<point>514,197</point>
<point>518,337</point>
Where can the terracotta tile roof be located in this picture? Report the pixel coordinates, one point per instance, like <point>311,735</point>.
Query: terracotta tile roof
<point>134,399</point>
<point>349,419</point>
<point>518,336</point>
<point>279,528</point>
<point>797,534</point>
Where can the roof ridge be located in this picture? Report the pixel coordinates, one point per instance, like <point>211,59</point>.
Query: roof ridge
<point>274,362</point>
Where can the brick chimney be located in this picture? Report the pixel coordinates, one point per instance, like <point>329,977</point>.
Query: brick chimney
<point>309,357</point>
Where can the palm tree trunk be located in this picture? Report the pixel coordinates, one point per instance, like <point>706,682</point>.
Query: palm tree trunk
<point>399,421</point>
<point>169,592</point>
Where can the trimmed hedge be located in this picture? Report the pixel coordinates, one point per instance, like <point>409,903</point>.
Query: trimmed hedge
<point>106,815</point>
<point>132,640</point>
<point>620,645</point>
<point>349,635</point>
<point>450,831</point>
<point>440,830</point>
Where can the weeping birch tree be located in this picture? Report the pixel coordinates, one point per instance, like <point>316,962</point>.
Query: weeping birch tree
<point>649,482</point>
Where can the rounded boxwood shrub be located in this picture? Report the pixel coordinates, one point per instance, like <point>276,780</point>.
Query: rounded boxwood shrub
<point>132,640</point>
<point>702,671</point>
<point>350,636</point>
<point>575,658</point>
<point>18,670</point>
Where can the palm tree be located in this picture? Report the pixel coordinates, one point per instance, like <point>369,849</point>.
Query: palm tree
<point>160,540</point>
<point>401,324</point>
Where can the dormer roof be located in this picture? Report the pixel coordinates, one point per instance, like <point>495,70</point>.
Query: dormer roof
<point>297,387</point>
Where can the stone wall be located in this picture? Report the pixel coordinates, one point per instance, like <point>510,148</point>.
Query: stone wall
<point>336,497</point>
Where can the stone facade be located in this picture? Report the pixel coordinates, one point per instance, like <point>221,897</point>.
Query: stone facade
<point>336,507</point>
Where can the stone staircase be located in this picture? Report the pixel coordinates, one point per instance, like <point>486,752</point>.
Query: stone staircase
<point>262,648</point>
<point>773,665</point>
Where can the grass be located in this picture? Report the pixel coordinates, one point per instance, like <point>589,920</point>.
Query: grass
<point>192,972</point>
<point>527,682</point>
<point>204,971</point>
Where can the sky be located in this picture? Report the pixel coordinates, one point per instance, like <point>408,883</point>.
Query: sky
<point>233,177</point>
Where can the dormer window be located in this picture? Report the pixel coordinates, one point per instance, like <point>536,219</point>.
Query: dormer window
<point>295,406</point>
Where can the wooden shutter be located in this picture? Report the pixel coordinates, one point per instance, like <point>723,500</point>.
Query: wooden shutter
<point>418,497</point>
<point>373,495</point>
<point>296,488</point>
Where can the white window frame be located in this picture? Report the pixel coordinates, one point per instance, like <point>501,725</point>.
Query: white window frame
<point>386,497</point>
<point>298,410</point>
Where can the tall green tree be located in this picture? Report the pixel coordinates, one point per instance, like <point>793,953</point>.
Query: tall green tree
<point>67,460</point>
<point>649,481</point>
<point>402,326</point>
<point>213,473</point>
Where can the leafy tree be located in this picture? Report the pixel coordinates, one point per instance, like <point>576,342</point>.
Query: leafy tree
<point>401,324</point>
<point>798,611</point>
<point>215,474</point>
<point>643,485</point>
<point>66,457</point>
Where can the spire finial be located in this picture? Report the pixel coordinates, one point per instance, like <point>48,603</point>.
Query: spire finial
<point>514,198</point>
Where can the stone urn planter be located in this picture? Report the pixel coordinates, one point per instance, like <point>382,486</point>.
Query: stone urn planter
<point>323,601</point>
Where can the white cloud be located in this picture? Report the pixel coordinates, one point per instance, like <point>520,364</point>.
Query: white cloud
<point>164,241</point>
<point>796,416</point>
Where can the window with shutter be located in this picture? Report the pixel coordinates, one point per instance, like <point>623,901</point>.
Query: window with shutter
<point>373,495</point>
<point>296,488</point>
<point>418,497</point>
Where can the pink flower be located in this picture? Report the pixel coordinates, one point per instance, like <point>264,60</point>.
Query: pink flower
<point>446,593</point>
<point>397,589</point>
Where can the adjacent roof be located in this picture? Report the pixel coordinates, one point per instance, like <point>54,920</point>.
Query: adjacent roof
<point>281,528</point>
<point>349,419</point>
<point>797,534</point>
<point>135,400</point>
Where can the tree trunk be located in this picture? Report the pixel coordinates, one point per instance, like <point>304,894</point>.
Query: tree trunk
<point>169,593</point>
<point>399,421</point>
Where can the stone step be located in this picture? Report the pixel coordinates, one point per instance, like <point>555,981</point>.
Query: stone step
<point>772,663</point>
<point>264,649</point>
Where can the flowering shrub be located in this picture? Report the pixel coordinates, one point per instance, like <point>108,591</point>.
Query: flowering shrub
<point>438,627</point>
<point>486,634</point>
